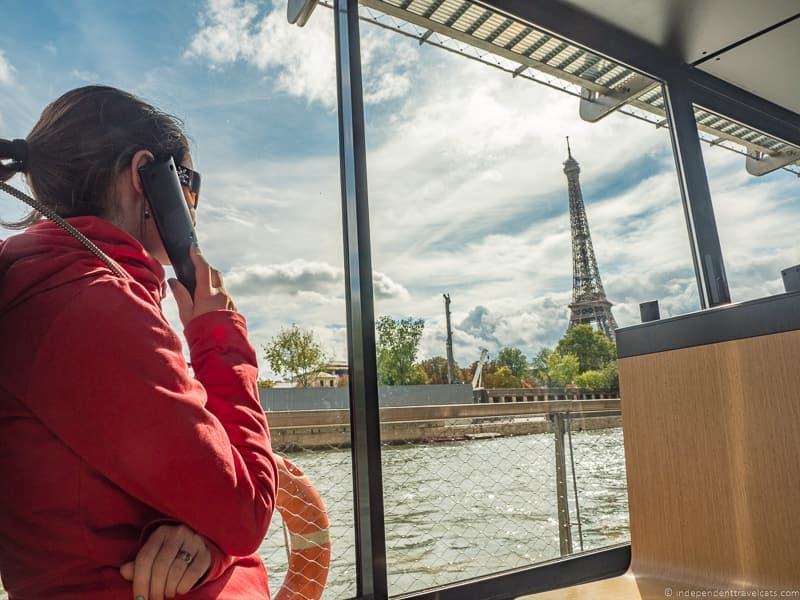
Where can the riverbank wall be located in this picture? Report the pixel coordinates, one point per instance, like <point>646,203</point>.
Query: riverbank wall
<point>301,430</point>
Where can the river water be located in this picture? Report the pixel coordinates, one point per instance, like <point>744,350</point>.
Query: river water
<point>458,510</point>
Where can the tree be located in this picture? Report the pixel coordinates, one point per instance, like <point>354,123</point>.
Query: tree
<point>591,380</point>
<point>296,352</point>
<point>435,369</point>
<point>539,369</point>
<point>611,374</point>
<point>266,383</point>
<point>563,368</point>
<point>606,379</point>
<point>398,343</point>
<point>593,350</point>
<point>515,360</point>
<point>501,378</point>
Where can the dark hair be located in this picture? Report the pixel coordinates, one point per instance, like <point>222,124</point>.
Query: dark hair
<point>82,141</point>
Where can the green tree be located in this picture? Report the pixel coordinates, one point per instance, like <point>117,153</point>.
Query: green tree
<point>563,368</point>
<point>502,377</point>
<point>611,374</point>
<point>398,344</point>
<point>297,353</point>
<point>593,350</point>
<point>606,379</point>
<point>539,369</point>
<point>515,360</point>
<point>435,369</point>
<point>591,380</point>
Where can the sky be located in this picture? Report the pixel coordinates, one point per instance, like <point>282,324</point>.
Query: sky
<point>466,189</point>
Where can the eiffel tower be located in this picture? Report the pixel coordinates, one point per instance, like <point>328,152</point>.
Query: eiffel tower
<point>589,303</point>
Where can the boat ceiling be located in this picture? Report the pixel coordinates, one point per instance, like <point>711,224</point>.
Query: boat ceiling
<point>731,39</point>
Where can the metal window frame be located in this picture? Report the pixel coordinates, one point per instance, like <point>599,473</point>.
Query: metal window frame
<point>684,87</point>
<point>370,537</point>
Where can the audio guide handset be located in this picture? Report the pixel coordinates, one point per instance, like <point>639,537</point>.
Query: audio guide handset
<point>171,214</point>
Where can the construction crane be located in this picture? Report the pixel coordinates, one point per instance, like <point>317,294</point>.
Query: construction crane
<point>477,379</point>
<point>451,363</point>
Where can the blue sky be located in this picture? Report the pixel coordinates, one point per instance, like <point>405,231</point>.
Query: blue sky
<point>466,189</point>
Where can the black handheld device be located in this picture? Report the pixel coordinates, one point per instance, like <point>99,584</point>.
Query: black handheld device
<point>171,214</point>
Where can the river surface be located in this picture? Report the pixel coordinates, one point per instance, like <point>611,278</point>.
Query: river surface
<point>458,510</point>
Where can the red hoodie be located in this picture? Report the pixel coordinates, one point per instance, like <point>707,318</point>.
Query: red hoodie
<point>104,433</point>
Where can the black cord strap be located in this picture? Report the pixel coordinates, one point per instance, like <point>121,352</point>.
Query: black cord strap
<point>53,216</point>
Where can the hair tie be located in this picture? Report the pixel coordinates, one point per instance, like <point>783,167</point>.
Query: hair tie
<point>18,152</point>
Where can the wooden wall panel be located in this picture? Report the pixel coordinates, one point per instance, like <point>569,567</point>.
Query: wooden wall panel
<point>712,449</point>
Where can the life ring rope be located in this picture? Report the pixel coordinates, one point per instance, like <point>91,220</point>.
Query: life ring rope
<point>308,528</point>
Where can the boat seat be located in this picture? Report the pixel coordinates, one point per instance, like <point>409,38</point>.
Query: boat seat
<point>712,461</point>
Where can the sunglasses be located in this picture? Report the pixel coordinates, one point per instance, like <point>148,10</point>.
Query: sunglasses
<point>190,179</point>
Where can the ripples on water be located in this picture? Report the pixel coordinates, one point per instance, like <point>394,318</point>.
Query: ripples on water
<point>463,509</point>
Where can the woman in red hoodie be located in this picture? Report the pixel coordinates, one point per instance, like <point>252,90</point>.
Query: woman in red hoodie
<point>123,475</point>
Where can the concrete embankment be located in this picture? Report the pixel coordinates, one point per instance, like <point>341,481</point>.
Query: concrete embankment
<point>296,430</point>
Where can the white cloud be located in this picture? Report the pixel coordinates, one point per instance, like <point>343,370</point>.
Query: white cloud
<point>303,60</point>
<point>303,277</point>
<point>6,70</point>
<point>85,76</point>
<point>467,196</point>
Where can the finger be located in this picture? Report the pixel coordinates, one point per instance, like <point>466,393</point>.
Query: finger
<point>180,568</point>
<point>192,574</point>
<point>219,284</point>
<point>166,561</point>
<point>126,571</point>
<point>216,278</point>
<point>198,568</point>
<point>144,563</point>
<point>202,271</point>
<point>183,299</point>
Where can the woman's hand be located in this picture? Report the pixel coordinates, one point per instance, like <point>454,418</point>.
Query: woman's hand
<point>209,293</point>
<point>158,572</point>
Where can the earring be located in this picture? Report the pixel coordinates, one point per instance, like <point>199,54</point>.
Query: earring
<point>146,215</point>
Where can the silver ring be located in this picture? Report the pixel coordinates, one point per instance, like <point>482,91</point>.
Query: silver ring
<point>185,556</point>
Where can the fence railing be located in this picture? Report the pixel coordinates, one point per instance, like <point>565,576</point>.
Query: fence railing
<point>511,485</point>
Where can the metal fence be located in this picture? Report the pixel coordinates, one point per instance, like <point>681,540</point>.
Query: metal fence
<point>479,504</point>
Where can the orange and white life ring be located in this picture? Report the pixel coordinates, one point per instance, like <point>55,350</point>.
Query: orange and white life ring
<point>309,540</point>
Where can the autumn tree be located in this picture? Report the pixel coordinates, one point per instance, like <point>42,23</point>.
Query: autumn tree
<point>297,353</point>
<point>435,369</point>
<point>502,377</point>
<point>397,347</point>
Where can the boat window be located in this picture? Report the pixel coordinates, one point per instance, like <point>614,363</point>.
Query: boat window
<point>756,215</point>
<point>469,181</point>
<point>262,123</point>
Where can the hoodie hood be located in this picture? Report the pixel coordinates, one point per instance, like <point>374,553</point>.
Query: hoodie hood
<point>45,256</point>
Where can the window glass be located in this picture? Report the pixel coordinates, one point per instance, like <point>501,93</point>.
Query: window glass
<point>756,218</point>
<point>260,113</point>
<point>469,198</point>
